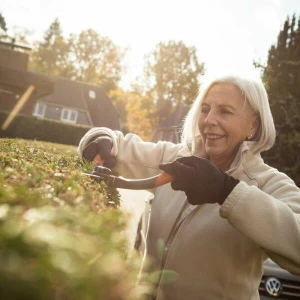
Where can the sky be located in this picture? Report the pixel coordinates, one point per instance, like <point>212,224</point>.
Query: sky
<point>228,34</point>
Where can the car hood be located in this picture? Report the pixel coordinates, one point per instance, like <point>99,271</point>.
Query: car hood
<point>272,269</point>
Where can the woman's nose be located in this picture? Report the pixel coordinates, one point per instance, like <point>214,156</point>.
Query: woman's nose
<point>211,118</point>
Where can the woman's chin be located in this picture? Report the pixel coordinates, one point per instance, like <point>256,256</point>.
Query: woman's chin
<point>213,150</point>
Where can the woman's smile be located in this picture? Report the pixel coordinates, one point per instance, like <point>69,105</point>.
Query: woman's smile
<point>211,136</point>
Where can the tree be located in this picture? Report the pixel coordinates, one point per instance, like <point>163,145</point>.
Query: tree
<point>52,55</point>
<point>21,35</point>
<point>119,100</point>
<point>96,59</point>
<point>135,110</point>
<point>86,57</point>
<point>2,23</point>
<point>172,72</point>
<point>139,119</point>
<point>17,35</point>
<point>282,78</point>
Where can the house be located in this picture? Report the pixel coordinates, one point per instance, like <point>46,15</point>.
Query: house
<point>78,103</point>
<point>15,79</point>
<point>53,98</point>
<point>169,129</point>
<point>13,84</point>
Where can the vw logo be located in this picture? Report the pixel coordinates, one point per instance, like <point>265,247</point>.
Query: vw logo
<point>273,286</point>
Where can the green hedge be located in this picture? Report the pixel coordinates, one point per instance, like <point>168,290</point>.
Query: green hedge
<point>61,234</point>
<point>33,128</point>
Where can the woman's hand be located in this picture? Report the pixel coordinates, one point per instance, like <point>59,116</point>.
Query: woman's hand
<point>201,180</point>
<point>99,151</point>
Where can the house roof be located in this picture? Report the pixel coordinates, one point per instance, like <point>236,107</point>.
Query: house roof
<point>18,81</point>
<point>169,128</point>
<point>75,94</point>
<point>176,118</point>
<point>68,93</point>
<point>12,45</point>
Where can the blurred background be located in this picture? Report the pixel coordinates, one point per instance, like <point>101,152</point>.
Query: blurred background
<point>130,65</point>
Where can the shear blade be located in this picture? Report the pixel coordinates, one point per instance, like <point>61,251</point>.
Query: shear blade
<point>95,176</point>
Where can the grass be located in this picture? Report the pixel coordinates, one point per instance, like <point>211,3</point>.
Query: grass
<point>61,234</point>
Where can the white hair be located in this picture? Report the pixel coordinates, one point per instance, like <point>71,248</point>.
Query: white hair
<point>256,97</point>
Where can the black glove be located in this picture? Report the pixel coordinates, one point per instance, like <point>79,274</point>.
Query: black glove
<point>201,180</point>
<point>101,145</point>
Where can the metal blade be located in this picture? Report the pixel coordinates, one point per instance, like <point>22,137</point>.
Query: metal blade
<point>95,176</point>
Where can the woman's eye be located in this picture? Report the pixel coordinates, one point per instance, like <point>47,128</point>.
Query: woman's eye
<point>204,110</point>
<point>225,111</point>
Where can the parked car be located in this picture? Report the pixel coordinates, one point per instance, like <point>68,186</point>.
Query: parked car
<point>278,283</point>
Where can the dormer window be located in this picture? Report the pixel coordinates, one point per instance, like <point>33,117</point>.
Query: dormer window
<point>69,115</point>
<point>92,94</point>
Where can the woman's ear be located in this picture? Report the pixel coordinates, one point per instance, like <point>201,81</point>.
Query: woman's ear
<point>255,124</point>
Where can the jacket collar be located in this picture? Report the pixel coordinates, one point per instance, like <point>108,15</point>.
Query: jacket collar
<point>244,148</point>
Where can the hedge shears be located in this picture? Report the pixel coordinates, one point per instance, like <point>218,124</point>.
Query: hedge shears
<point>101,173</point>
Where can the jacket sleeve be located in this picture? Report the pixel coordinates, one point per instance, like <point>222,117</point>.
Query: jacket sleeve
<point>268,214</point>
<point>136,158</point>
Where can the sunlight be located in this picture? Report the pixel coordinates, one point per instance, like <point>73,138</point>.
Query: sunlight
<point>228,35</point>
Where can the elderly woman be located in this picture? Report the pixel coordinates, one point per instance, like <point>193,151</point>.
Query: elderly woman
<point>226,210</point>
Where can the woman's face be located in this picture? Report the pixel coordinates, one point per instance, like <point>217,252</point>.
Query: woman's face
<point>225,122</point>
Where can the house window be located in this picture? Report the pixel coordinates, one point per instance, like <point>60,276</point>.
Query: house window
<point>69,115</point>
<point>39,109</point>
<point>92,94</point>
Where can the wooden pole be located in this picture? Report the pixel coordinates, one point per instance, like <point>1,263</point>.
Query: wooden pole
<point>18,107</point>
